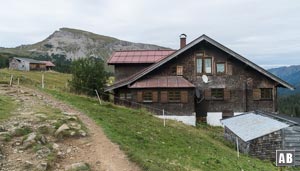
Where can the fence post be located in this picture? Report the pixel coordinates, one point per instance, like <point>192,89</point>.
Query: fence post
<point>98,96</point>
<point>11,80</point>
<point>18,85</point>
<point>164,117</point>
<point>237,147</point>
<point>43,85</point>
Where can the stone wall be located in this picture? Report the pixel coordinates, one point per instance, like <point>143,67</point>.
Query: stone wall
<point>263,147</point>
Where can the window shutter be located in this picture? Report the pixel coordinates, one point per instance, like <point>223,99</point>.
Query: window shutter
<point>139,96</point>
<point>229,69</point>
<point>154,96</point>
<point>164,96</point>
<point>207,94</point>
<point>256,94</point>
<point>184,96</point>
<point>226,94</point>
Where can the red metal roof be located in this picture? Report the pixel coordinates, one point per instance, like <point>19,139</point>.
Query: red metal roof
<point>163,82</point>
<point>48,63</point>
<point>138,56</point>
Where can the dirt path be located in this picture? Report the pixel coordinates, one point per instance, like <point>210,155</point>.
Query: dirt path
<point>95,149</point>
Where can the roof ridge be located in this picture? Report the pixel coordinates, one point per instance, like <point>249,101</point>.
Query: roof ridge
<point>145,50</point>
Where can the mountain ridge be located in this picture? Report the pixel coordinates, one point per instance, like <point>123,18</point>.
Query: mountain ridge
<point>76,43</point>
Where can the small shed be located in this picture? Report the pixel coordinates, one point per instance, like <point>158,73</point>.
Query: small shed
<point>49,65</point>
<point>26,64</point>
<point>260,134</point>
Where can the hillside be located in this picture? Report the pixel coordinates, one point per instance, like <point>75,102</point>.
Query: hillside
<point>144,138</point>
<point>68,44</point>
<point>290,74</point>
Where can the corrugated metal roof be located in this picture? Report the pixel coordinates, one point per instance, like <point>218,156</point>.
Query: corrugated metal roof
<point>139,56</point>
<point>250,126</point>
<point>29,60</point>
<point>48,63</point>
<point>163,82</point>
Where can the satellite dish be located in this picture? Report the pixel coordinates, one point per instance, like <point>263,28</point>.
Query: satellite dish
<point>198,94</point>
<point>205,78</point>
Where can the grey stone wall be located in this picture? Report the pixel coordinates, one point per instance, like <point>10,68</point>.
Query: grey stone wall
<point>263,147</point>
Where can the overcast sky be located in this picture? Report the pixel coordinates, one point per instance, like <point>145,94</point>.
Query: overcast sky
<point>266,32</point>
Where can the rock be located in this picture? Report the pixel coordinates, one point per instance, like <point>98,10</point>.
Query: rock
<point>42,166</point>
<point>76,126</point>
<point>62,128</point>
<point>72,118</point>
<point>28,165</point>
<point>2,129</point>
<point>69,150</point>
<point>55,146</point>
<point>43,140</point>
<point>41,115</point>
<point>82,133</point>
<point>60,154</point>
<point>43,152</point>
<point>29,141</point>
<point>77,166</point>
<point>72,133</point>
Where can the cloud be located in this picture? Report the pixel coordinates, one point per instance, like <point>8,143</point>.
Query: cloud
<point>262,31</point>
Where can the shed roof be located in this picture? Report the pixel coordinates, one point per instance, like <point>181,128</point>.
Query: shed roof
<point>29,60</point>
<point>138,56</point>
<point>48,63</point>
<point>235,55</point>
<point>250,125</point>
<point>163,82</point>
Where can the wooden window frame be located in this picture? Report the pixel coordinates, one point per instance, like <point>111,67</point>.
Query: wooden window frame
<point>179,70</point>
<point>147,97</point>
<point>174,96</point>
<point>122,96</point>
<point>220,73</point>
<point>211,65</point>
<point>265,95</point>
<point>128,96</point>
<point>217,94</point>
<point>203,69</point>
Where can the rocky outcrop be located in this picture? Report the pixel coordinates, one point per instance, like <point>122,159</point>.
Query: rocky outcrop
<point>76,44</point>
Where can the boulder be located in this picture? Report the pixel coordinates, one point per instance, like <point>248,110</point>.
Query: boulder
<point>62,128</point>
<point>77,166</point>
<point>42,166</point>
<point>30,140</point>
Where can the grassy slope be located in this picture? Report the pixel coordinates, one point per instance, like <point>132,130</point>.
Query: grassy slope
<point>6,107</point>
<point>145,140</point>
<point>154,147</point>
<point>53,80</point>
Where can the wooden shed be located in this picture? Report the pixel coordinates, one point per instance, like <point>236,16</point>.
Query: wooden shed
<point>260,134</point>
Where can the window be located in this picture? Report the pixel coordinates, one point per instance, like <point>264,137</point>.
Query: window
<point>122,96</point>
<point>266,93</point>
<point>179,70</point>
<point>174,70</point>
<point>203,64</point>
<point>147,96</point>
<point>207,65</point>
<point>217,94</point>
<point>174,96</point>
<point>128,96</point>
<point>199,65</point>
<point>220,67</point>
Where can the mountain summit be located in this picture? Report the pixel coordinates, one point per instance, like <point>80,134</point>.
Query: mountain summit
<point>74,44</point>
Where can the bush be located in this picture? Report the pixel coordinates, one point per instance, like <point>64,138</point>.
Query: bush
<point>88,74</point>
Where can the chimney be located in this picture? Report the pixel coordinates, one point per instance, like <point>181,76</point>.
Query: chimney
<point>182,40</point>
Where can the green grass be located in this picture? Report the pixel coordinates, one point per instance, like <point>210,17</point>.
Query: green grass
<point>7,105</point>
<point>154,147</point>
<point>53,80</point>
